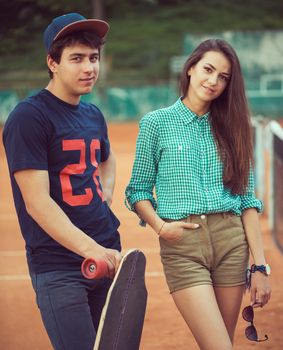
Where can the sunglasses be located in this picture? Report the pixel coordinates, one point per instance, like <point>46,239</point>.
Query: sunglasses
<point>250,332</point>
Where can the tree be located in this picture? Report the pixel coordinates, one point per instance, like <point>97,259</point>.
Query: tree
<point>98,9</point>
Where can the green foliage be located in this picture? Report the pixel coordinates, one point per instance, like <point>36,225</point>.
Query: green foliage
<point>144,33</point>
<point>142,43</point>
<point>22,20</point>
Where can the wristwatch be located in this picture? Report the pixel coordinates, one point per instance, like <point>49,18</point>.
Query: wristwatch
<point>265,269</point>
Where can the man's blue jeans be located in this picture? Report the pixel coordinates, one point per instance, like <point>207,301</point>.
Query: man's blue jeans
<point>70,307</point>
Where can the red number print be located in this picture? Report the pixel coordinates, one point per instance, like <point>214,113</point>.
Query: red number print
<point>77,169</point>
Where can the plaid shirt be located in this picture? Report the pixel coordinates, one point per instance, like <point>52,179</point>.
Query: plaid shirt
<point>177,155</point>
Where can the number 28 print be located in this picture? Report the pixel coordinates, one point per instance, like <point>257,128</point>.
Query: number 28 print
<point>79,168</point>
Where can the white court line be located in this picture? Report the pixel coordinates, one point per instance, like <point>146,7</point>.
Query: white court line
<point>27,277</point>
<point>154,274</point>
<point>23,277</point>
<point>14,277</point>
<point>23,253</point>
<point>144,250</point>
<point>13,253</point>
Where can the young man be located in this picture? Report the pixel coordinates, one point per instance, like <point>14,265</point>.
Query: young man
<point>62,173</point>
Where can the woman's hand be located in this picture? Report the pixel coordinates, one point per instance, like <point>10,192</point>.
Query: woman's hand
<point>260,289</point>
<point>173,231</point>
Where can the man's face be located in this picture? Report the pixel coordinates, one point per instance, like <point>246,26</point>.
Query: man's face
<point>77,72</point>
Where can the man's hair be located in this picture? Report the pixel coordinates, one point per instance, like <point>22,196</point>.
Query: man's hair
<point>89,39</point>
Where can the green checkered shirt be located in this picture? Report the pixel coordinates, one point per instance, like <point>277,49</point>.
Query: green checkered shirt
<point>176,154</point>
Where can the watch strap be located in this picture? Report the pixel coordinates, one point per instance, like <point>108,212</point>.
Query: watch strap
<point>253,269</point>
<point>260,268</point>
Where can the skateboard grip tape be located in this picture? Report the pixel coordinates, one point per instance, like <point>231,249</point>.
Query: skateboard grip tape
<point>94,268</point>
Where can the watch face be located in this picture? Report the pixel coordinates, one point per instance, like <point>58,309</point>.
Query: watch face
<point>267,269</point>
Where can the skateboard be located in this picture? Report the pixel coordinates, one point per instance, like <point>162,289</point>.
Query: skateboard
<point>122,317</point>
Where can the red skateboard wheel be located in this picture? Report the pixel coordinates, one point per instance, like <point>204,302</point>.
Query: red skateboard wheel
<point>94,269</point>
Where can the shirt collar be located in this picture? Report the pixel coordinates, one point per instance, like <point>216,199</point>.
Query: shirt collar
<point>186,114</point>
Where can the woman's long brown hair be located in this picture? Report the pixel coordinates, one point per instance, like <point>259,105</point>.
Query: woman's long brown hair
<point>229,116</point>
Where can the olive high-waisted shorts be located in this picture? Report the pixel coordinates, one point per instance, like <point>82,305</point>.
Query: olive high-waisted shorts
<point>216,253</point>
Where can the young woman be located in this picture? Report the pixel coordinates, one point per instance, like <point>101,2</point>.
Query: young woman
<point>197,154</point>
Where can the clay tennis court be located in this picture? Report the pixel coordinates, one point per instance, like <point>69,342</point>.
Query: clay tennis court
<point>20,323</point>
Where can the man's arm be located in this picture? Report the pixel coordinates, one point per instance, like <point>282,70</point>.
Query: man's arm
<point>34,186</point>
<point>107,172</point>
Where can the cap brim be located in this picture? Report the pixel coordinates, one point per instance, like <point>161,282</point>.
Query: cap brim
<point>95,25</point>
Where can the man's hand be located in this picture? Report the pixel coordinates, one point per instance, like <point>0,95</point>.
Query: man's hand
<point>111,256</point>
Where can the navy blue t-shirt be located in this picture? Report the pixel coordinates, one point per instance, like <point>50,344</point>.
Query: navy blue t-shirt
<point>69,141</point>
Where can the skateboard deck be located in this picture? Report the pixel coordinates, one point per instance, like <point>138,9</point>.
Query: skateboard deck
<point>122,317</point>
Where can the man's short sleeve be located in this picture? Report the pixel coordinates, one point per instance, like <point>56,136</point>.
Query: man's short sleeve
<point>25,139</point>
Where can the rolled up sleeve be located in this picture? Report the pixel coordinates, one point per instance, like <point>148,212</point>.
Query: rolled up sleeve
<point>249,200</point>
<point>143,177</point>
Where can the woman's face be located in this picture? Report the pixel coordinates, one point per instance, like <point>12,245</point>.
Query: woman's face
<point>208,78</point>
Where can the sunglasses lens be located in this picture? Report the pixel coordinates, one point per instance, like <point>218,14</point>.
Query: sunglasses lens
<point>248,313</point>
<point>251,333</point>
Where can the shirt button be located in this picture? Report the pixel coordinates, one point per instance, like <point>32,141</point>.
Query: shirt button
<point>202,217</point>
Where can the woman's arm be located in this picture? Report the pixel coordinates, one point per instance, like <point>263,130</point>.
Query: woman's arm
<point>171,231</point>
<point>260,287</point>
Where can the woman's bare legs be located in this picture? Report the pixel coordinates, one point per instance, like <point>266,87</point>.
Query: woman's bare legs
<point>229,301</point>
<point>210,314</point>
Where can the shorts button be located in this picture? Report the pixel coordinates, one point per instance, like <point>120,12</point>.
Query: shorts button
<point>202,217</point>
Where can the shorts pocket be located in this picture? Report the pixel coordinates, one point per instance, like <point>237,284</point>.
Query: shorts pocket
<point>190,241</point>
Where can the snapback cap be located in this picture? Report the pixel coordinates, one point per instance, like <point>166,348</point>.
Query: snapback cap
<point>72,22</point>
